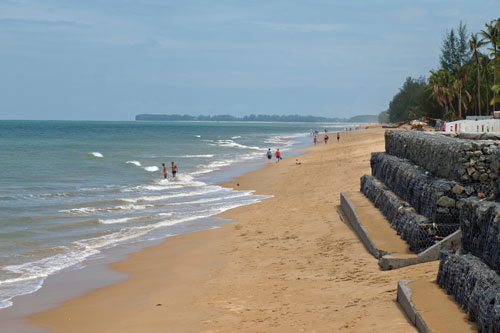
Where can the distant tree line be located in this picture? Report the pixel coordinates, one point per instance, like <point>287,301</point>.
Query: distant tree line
<point>252,117</point>
<point>465,84</point>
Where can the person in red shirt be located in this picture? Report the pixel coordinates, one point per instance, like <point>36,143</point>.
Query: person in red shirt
<point>315,140</point>
<point>278,155</point>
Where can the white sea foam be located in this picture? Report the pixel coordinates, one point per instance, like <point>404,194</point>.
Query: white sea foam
<point>96,154</point>
<point>205,190</point>
<point>134,163</point>
<point>207,200</point>
<point>88,210</point>
<point>198,136</point>
<point>198,156</point>
<point>32,274</point>
<point>165,214</point>
<point>236,137</point>
<point>114,221</point>
<point>159,187</point>
<point>151,168</point>
<point>232,144</point>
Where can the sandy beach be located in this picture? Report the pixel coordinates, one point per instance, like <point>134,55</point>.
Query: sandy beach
<point>286,264</point>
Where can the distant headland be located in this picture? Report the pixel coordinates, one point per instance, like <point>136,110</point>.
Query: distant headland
<point>253,117</point>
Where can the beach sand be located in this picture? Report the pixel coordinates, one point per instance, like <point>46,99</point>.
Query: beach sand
<point>286,264</point>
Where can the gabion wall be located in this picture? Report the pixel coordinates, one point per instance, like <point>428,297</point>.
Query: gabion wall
<point>466,161</point>
<point>417,230</point>
<point>435,198</point>
<point>475,286</point>
<point>479,221</point>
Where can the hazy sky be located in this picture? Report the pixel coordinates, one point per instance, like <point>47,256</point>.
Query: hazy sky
<point>113,59</point>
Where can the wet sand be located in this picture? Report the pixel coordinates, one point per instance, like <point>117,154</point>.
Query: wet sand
<point>286,264</point>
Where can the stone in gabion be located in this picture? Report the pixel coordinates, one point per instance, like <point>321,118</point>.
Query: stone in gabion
<point>417,230</point>
<point>475,286</point>
<point>432,197</point>
<point>462,160</point>
<point>479,221</point>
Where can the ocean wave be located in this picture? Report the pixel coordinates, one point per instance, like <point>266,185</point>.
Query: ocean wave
<point>96,154</point>
<point>137,163</point>
<point>31,275</point>
<point>88,210</point>
<point>236,137</point>
<point>232,144</point>
<point>151,168</point>
<point>215,165</point>
<point>114,221</point>
<point>215,199</point>
<point>205,190</point>
<point>197,156</point>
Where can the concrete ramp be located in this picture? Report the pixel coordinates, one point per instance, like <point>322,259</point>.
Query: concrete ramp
<point>430,309</point>
<point>371,226</point>
<point>381,240</point>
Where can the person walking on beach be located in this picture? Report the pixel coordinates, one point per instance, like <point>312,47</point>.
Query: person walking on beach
<point>174,169</point>
<point>326,138</point>
<point>278,155</point>
<point>164,170</point>
<point>269,154</point>
<point>315,140</point>
<point>338,137</point>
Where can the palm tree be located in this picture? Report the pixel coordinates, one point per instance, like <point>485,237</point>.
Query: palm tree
<point>443,87</point>
<point>486,70</point>
<point>474,45</point>
<point>492,35</point>
<point>459,90</point>
<point>495,99</point>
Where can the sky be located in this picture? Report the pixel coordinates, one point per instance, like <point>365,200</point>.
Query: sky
<point>114,59</point>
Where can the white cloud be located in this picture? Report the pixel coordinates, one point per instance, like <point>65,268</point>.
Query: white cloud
<point>301,27</point>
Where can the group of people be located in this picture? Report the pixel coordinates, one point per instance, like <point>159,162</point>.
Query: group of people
<point>277,154</point>
<point>174,170</point>
<point>325,138</point>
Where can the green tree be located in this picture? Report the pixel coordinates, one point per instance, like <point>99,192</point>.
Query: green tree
<point>443,87</point>
<point>460,90</point>
<point>492,35</point>
<point>409,96</point>
<point>474,45</point>
<point>454,51</point>
<point>384,117</point>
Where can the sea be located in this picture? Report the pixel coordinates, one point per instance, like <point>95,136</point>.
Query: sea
<point>70,190</point>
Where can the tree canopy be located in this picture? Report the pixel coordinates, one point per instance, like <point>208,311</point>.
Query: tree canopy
<point>465,84</point>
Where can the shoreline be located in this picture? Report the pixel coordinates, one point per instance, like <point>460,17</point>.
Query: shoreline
<point>285,263</point>
<point>96,272</point>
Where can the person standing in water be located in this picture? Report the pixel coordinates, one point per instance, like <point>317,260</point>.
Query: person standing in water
<point>269,154</point>
<point>174,169</point>
<point>315,140</point>
<point>164,170</point>
<point>278,155</point>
